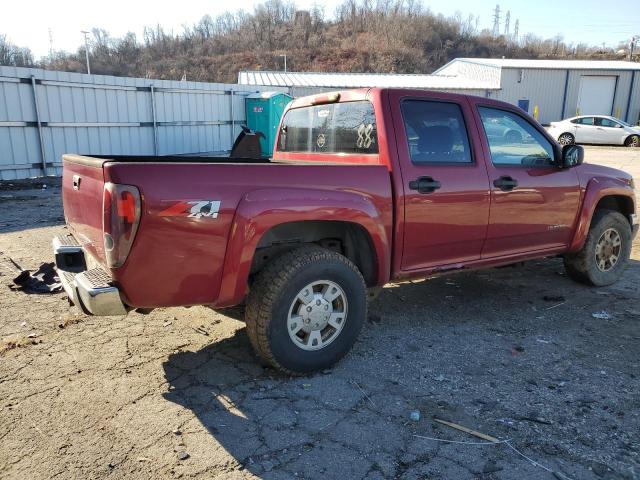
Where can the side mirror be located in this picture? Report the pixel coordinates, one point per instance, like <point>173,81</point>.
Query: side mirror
<point>572,155</point>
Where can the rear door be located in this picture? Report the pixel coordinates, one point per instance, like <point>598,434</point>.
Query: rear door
<point>446,188</point>
<point>585,130</point>
<point>533,202</point>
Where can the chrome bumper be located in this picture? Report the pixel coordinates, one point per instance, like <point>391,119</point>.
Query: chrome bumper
<point>92,290</point>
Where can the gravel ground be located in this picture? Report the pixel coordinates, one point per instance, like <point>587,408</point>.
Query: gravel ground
<point>514,353</point>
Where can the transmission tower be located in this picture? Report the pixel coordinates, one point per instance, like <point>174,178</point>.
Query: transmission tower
<point>507,20</point>
<point>516,28</point>
<point>496,21</point>
<point>50,44</point>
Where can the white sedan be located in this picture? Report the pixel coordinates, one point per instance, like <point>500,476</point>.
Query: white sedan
<point>595,129</point>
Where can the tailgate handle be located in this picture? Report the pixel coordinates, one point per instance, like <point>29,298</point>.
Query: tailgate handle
<point>76,182</point>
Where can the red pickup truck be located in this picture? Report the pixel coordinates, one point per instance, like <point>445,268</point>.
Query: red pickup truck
<point>364,187</point>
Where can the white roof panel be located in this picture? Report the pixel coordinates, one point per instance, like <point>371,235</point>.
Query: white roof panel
<point>554,64</point>
<point>356,80</point>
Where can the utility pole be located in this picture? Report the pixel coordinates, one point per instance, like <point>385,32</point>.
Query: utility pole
<point>496,21</point>
<point>634,39</point>
<point>285,62</point>
<point>50,45</point>
<point>516,29</point>
<point>86,49</point>
<point>507,20</point>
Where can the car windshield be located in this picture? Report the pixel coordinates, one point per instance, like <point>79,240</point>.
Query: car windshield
<point>623,123</point>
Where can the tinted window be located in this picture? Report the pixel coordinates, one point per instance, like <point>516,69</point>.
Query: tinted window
<point>583,121</point>
<point>436,132</point>
<point>348,127</point>
<point>513,141</point>
<point>607,122</point>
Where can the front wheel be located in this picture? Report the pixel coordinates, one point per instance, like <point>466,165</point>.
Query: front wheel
<point>305,310</point>
<point>632,141</point>
<point>566,139</point>
<point>605,253</point>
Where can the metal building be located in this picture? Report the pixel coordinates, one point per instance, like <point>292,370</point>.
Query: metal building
<point>44,114</point>
<point>309,83</point>
<point>548,89</point>
<point>557,89</point>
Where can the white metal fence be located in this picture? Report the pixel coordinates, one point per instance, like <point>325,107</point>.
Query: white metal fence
<point>44,114</point>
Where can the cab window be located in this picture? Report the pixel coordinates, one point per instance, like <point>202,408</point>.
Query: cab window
<point>436,132</point>
<point>348,127</point>
<point>513,141</point>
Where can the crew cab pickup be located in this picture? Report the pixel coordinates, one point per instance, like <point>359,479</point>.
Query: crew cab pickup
<point>364,187</point>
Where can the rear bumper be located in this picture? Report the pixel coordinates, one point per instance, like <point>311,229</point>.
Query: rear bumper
<point>91,289</point>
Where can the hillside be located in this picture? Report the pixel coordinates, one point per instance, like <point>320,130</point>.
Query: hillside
<point>363,36</point>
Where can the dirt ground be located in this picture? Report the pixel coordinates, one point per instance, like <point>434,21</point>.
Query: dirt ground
<point>515,353</point>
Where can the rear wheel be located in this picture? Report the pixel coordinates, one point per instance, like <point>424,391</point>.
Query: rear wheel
<point>605,253</point>
<point>306,309</point>
<point>566,139</point>
<point>632,141</point>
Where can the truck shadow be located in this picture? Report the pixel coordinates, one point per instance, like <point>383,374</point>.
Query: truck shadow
<point>526,329</point>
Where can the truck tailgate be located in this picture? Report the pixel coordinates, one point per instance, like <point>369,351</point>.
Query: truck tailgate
<point>82,192</point>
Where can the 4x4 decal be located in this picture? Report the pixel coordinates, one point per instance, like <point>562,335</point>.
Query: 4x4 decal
<point>193,209</point>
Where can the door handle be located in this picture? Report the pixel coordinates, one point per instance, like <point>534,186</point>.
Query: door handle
<point>505,183</point>
<point>424,185</point>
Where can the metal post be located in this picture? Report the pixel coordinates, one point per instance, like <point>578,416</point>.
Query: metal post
<point>86,50</point>
<point>233,122</point>
<point>285,62</point>
<point>39,123</point>
<point>155,121</point>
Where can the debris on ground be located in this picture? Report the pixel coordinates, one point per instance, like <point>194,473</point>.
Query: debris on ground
<point>553,298</point>
<point>183,456</point>
<point>43,280</point>
<point>415,416</point>
<point>603,315</point>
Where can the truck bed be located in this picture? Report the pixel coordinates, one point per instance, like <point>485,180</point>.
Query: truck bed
<point>177,259</point>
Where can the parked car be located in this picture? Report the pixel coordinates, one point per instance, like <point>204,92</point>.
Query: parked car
<point>364,187</point>
<point>596,129</point>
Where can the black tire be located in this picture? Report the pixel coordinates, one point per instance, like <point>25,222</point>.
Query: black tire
<point>632,141</point>
<point>581,266</point>
<point>513,136</point>
<point>566,139</point>
<point>271,297</point>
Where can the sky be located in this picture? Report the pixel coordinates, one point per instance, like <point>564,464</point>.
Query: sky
<point>27,23</point>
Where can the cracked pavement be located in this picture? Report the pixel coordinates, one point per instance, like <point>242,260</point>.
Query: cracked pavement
<point>177,393</point>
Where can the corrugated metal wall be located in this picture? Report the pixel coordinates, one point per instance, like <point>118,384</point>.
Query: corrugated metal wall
<point>546,89</point>
<point>99,114</point>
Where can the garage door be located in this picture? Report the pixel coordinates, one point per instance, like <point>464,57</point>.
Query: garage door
<point>596,95</point>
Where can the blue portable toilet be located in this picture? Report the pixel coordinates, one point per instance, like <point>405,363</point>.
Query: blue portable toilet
<point>263,111</point>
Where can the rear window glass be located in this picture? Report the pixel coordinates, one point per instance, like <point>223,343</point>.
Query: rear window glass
<point>348,127</point>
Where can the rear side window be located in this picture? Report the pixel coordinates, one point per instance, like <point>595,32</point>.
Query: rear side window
<point>348,127</point>
<point>583,121</point>
<point>436,132</point>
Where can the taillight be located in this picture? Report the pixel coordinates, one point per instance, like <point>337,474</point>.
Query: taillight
<point>121,217</point>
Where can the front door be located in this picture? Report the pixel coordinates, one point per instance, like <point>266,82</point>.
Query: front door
<point>533,202</point>
<point>609,131</point>
<point>446,189</point>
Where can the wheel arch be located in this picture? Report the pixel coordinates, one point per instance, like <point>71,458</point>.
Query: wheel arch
<point>270,222</point>
<point>347,238</point>
<point>601,197</point>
